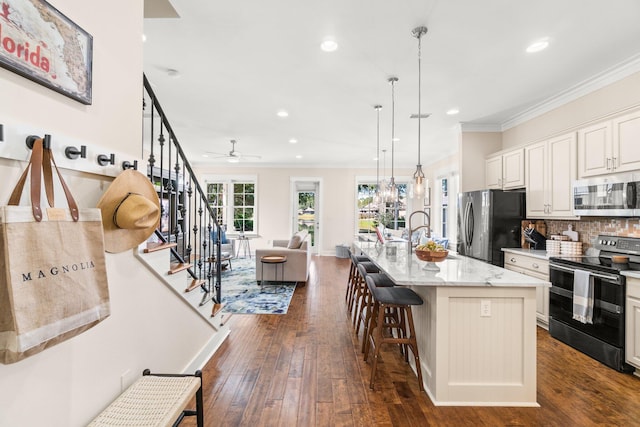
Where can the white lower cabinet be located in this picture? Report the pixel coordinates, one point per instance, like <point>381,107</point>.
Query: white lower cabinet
<point>633,322</point>
<point>534,267</point>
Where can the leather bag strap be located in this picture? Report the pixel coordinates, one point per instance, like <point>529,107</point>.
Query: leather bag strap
<point>46,171</point>
<point>37,166</point>
<point>73,206</point>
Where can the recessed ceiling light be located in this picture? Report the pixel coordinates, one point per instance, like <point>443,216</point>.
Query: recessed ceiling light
<point>172,72</point>
<point>293,141</point>
<point>205,155</point>
<point>329,45</point>
<point>233,160</point>
<point>144,38</point>
<point>375,159</point>
<point>282,113</point>
<point>538,46</point>
<point>453,112</point>
<point>396,139</point>
<point>298,156</point>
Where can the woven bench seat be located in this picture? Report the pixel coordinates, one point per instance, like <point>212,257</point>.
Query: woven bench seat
<point>155,400</point>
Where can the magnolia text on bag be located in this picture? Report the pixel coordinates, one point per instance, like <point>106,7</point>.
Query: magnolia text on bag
<point>53,271</point>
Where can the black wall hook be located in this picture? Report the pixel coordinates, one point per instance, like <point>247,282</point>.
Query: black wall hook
<point>103,160</point>
<point>46,141</point>
<point>73,153</point>
<point>127,165</point>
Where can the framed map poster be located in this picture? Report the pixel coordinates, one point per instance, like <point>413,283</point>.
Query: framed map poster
<point>40,43</point>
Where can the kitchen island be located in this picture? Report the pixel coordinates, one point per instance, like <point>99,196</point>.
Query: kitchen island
<point>476,330</point>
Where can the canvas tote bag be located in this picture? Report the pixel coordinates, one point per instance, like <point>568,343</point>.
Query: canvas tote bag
<point>53,281</point>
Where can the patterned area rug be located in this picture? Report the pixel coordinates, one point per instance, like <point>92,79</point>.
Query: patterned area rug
<point>241,293</point>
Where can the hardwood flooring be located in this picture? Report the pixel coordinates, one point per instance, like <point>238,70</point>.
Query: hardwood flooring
<point>305,369</point>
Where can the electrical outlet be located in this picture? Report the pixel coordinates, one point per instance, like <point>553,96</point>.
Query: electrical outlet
<point>485,308</point>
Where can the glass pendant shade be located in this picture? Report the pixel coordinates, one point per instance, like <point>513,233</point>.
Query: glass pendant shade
<point>419,184</point>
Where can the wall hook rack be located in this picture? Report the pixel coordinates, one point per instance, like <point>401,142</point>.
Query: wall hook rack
<point>46,141</point>
<point>103,160</point>
<point>73,153</point>
<point>128,165</point>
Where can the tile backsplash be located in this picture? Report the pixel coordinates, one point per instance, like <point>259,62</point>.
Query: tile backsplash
<point>589,228</point>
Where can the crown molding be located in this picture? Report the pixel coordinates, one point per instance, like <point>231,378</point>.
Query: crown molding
<point>598,81</point>
<point>480,127</point>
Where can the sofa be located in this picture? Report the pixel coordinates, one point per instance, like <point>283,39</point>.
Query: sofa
<point>296,269</point>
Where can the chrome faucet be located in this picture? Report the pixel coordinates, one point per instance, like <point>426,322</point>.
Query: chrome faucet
<point>411,230</point>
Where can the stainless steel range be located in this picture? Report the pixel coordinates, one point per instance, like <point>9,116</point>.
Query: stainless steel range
<point>604,339</point>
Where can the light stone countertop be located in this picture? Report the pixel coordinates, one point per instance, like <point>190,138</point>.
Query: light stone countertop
<point>455,270</point>
<point>629,273</point>
<point>529,252</point>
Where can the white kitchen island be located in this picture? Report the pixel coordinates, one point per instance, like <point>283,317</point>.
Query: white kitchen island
<point>476,330</point>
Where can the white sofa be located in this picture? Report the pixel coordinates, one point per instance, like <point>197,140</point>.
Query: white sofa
<point>296,269</point>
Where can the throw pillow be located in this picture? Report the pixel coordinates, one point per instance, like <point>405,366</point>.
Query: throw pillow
<point>295,242</point>
<point>223,236</point>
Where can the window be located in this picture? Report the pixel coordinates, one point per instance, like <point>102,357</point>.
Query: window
<point>234,203</point>
<point>368,214</point>
<point>445,208</point>
<point>216,197</point>
<point>243,206</point>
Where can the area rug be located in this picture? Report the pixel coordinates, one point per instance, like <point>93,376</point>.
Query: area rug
<point>241,294</point>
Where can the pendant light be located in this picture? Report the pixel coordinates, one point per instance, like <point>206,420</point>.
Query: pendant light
<point>419,185</point>
<point>383,183</point>
<point>378,194</point>
<point>392,189</point>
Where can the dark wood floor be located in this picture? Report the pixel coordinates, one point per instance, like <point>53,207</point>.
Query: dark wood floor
<point>305,369</point>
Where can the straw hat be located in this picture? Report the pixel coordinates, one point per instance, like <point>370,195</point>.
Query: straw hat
<point>130,211</point>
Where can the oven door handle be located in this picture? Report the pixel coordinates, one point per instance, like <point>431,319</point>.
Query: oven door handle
<point>604,305</point>
<point>607,277</point>
<point>560,291</point>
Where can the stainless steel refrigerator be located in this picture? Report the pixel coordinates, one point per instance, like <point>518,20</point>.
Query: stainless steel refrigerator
<point>489,220</point>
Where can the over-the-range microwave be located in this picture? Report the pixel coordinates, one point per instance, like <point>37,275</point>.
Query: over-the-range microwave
<point>609,195</point>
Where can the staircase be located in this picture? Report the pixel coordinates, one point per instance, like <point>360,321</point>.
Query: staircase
<point>181,251</point>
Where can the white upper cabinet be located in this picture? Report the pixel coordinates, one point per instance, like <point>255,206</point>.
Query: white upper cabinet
<point>505,171</point>
<point>610,147</point>
<point>626,138</point>
<point>550,169</point>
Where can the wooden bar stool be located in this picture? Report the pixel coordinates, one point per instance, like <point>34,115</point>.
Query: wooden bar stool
<point>364,315</point>
<point>359,288</point>
<point>401,299</point>
<point>355,259</point>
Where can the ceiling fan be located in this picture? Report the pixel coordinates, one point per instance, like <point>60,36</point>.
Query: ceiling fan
<point>233,156</point>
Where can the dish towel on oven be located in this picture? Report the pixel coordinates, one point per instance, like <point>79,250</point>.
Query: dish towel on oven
<point>582,296</point>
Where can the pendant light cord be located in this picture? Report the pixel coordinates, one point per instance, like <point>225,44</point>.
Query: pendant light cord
<point>419,93</point>
<point>393,80</point>
<point>378,108</point>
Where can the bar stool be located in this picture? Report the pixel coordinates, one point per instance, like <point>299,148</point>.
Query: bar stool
<point>359,287</point>
<point>364,315</point>
<point>355,259</point>
<point>401,299</point>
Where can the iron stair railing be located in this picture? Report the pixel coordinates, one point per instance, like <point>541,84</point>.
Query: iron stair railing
<point>187,219</point>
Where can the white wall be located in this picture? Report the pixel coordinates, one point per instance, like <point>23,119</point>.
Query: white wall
<point>68,384</point>
<point>338,197</point>
<point>610,99</point>
<point>473,149</point>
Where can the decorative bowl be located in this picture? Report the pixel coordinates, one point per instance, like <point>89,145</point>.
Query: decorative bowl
<point>433,256</point>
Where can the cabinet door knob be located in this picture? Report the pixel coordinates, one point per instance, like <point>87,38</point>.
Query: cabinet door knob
<point>608,162</point>
<point>534,265</point>
<point>513,260</point>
